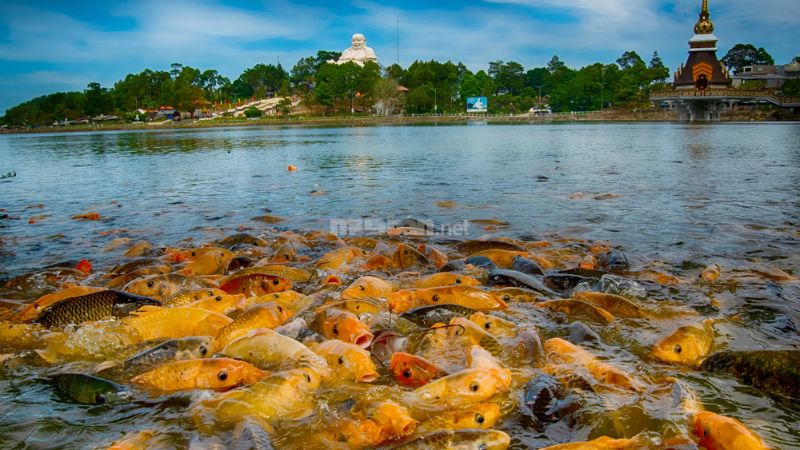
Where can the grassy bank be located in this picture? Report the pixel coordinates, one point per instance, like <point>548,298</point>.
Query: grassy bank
<point>360,120</point>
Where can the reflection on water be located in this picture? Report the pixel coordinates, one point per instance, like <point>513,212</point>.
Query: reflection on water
<point>676,197</point>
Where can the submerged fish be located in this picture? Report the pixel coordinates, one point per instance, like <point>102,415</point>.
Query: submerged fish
<point>773,371</point>
<point>91,390</point>
<point>193,347</point>
<point>468,438</point>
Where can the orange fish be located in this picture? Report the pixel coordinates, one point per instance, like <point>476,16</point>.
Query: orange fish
<point>368,287</point>
<point>715,432</point>
<point>412,370</point>
<point>209,373</point>
<point>435,256</point>
<point>152,322</point>
<point>468,296</point>
<point>84,266</point>
<point>347,361</point>
<point>711,273</point>
<point>267,315</point>
<point>254,285</point>
<point>378,262</point>
<point>223,304</point>
<point>482,415</point>
<point>406,256</point>
<point>344,325</point>
<point>336,259</point>
<point>461,389</point>
<point>603,372</point>
<point>446,279</point>
<point>209,263</point>
<point>87,216</point>
<point>601,443</point>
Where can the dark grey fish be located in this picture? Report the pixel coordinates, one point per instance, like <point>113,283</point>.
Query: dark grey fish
<point>250,435</point>
<point>613,261</point>
<point>512,278</point>
<point>426,316</point>
<point>193,347</point>
<point>91,390</point>
<point>472,247</point>
<point>579,333</point>
<point>526,266</point>
<point>242,238</point>
<point>92,307</point>
<point>772,371</point>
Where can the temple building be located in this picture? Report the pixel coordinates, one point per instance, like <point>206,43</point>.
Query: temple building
<point>702,70</point>
<point>701,89</point>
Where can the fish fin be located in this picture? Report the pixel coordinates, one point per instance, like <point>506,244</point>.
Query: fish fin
<point>105,366</point>
<point>49,356</point>
<point>146,309</point>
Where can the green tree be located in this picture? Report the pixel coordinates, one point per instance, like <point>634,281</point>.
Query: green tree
<point>260,81</point>
<point>98,100</point>
<point>629,59</point>
<point>659,72</point>
<point>509,77</point>
<point>252,112</point>
<point>385,92</point>
<point>742,55</point>
<point>555,64</point>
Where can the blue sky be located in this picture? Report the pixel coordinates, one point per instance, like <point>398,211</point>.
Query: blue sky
<point>47,46</point>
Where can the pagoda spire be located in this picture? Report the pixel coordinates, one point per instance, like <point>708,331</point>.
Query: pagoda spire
<point>704,24</point>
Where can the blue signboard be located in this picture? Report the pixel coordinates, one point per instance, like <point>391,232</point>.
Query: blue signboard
<point>477,104</point>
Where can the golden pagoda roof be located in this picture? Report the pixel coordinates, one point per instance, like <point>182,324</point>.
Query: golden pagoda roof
<point>704,24</point>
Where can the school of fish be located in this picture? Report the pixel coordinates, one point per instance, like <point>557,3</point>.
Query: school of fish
<point>400,340</point>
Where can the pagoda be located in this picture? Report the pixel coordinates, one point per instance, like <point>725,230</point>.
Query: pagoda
<point>702,69</point>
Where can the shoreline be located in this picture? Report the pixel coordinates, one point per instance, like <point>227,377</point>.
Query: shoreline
<point>315,121</point>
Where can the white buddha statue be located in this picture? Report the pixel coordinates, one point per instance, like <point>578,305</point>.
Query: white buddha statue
<point>358,53</point>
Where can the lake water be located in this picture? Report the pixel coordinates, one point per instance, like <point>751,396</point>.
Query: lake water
<point>682,196</point>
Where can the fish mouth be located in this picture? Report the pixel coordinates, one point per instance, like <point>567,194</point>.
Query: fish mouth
<point>368,377</point>
<point>363,340</point>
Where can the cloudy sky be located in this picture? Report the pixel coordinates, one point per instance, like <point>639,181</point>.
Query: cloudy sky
<point>46,46</point>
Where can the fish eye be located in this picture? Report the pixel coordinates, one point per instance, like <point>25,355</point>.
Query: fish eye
<point>678,348</point>
<point>336,329</point>
<point>218,298</point>
<point>506,298</point>
<point>474,386</point>
<point>487,325</point>
<point>362,288</point>
<point>407,373</point>
<point>276,296</point>
<point>138,305</point>
<point>35,306</point>
<point>99,399</point>
<point>150,284</point>
<point>341,360</point>
<point>458,280</point>
<point>194,254</point>
<point>203,350</point>
<point>223,375</point>
<point>435,297</point>
<point>275,281</point>
<point>280,309</point>
<point>479,419</point>
<point>308,378</point>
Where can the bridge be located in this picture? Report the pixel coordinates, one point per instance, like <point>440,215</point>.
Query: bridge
<point>707,104</point>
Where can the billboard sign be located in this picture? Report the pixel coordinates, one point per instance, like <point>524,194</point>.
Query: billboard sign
<point>477,104</point>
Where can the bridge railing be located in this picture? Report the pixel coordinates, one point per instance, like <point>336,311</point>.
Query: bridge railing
<point>767,95</point>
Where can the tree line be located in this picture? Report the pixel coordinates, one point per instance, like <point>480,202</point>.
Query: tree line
<point>432,86</point>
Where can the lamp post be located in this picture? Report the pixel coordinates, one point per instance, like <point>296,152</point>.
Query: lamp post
<point>602,85</point>
<point>435,102</point>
